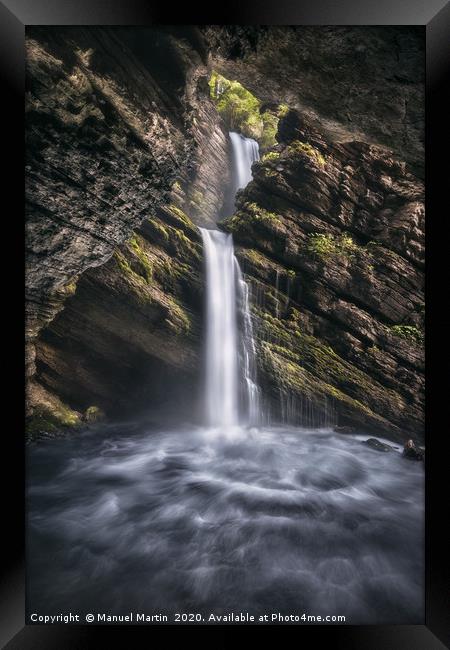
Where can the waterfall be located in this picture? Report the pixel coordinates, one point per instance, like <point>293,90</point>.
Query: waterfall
<point>221,329</point>
<point>230,353</point>
<point>245,152</point>
<point>231,392</point>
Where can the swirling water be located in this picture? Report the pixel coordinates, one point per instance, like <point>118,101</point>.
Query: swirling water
<point>259,520</point>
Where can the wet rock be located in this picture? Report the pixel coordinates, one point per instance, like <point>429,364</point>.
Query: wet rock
<point>412,452</point>
<point>93,414</point>
<point>344,429</point>
<point>377,445</point>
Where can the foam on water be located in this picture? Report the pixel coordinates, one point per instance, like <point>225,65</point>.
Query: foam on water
<point>201,520</point>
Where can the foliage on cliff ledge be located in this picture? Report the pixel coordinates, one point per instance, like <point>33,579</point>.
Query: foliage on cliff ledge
<point>407,332</point>
<point>270,155</point>
<point>241,110</point>
<point>297,148</point>
<point>326,245</point>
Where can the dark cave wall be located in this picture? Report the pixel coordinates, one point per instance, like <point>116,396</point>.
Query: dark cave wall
<point>126,155</point>
<point>352,82</point>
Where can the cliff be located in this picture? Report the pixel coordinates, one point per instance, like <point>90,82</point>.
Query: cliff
<point>127,153</point>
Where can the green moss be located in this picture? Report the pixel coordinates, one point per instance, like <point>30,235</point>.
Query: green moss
<point>68,289</point>
<point>298,148</point>
<point>51,419</point>
<point>255,257</point>
<point>407,332</point>
<point>260,214</point>
<point>159,228</point>
<point>270,129</point>
<point>283,110</point>
<point>178,319</point>
<point>145,267</point>
<point>270,156</point>
<point>305,363</point>
<point>252,213</point>
<point>180,217</point>
<point>240,110</point>
<point>93,414</point>
<point>137,281</point>
<point>123,264</point>
<point>326,245</point>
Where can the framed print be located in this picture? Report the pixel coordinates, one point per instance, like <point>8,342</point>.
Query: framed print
<point>229,293</point>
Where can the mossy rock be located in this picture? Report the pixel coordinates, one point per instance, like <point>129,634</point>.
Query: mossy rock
<point>326,246</point>
<point>298,148</point>
<point>408,333</point>
<point>241,110</point>
<point>93,414</point>
<point>51,420</point>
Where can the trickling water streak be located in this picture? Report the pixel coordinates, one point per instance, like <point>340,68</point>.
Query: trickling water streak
<point>277,288</point>
<point>252,390</point>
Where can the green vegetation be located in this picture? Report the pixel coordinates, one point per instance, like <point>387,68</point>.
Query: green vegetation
<point>51,419</point>
<point>93,414</point>
<point>269,156</point>
<point>180,218</point>
<point>305,365</point>
<point>270,128</point>
<point>283,110</point>
<point>407,332</point>
<point>326,245</point>
<point>68,289</point>
<point>241,110</point>
<point>123,264</point>
<point>178,319</point>
<point>144,266</point>
<point>255,257</point>
<point>298,148</point>
<point>159,228</point>
<point>260,214</point>
<point>252,213</point>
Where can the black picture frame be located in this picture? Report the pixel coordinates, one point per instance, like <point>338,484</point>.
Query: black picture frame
<point>434,16</point>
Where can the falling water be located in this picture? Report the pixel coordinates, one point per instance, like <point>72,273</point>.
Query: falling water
<point>251,388</point>
<point>221,329</point>
<point>230,353</point>
<point>245,152</point>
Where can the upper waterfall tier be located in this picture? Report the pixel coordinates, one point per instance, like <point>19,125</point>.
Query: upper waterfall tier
<point>245,152</point>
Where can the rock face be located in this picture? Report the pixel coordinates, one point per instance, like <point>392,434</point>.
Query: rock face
<point>114,117</point>
<point>338,231</point>
<point>126,154</point>
<point>131,331</point>
<point>355,83</point>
